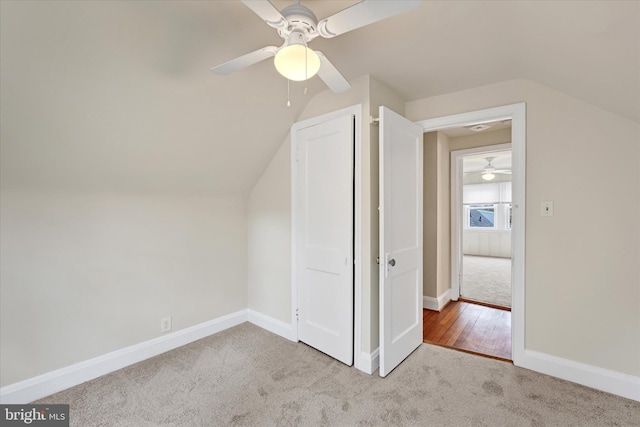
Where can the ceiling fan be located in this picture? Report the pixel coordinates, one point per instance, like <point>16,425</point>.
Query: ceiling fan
<point>298,25</point>
<point>489,172</point>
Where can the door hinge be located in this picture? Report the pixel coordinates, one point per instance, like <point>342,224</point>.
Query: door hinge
<point>297,314</point>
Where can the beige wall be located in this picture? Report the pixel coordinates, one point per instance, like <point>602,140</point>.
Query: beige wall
<point>494,243</point>
<point>482,139</point>
<point>269,239</point>
<point>121,201</point>
<point>571,274</point>
<point>443,253</point>
<point>430,216</point>
<point>436,215</point>
<point>86,274</point>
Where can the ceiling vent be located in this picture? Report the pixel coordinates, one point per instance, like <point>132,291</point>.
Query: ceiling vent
<point>478,128</point>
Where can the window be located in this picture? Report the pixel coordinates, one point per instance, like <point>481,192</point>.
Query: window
<point>487,207</point>
<point>481,216</point>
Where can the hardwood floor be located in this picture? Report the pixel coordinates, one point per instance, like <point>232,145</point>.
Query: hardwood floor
<point>470,327</point>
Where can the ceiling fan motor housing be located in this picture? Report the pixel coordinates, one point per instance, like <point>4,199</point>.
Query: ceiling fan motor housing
<point>300,19</point>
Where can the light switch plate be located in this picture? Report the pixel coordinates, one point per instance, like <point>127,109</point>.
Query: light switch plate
<point>546,209</point>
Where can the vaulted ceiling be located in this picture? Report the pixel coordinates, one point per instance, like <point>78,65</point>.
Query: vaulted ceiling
<point>118,96</point>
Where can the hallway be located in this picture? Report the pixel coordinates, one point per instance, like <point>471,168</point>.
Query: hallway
<point>471,328</point>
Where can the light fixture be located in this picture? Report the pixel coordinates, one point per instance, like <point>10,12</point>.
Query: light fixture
<point>488,176</point>
<point>296,61</point>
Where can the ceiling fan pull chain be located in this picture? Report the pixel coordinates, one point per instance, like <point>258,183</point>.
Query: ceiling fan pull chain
<point>306,63</point>
<point>288,93</point>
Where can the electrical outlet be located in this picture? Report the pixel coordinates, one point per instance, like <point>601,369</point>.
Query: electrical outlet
<point>546,209</point>
<point>165,324</point>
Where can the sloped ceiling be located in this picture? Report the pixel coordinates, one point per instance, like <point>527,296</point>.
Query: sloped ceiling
<point>118,96</point>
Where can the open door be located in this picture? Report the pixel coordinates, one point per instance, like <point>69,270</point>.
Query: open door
<point>324,230</point>
<point>400,238</point>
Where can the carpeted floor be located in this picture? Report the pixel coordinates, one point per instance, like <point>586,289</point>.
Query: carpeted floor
<point>246,376</point>
<point>486,279</point>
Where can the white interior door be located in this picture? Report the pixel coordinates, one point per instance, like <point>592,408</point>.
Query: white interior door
<point>324,229</point>
<point>400,238</point>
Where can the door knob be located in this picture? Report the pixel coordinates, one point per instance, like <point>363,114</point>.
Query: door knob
<point>392,262</point>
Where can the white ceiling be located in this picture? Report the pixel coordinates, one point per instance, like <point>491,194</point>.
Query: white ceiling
<point>467,130</point>
<point>477,162</point>
<point>117,95</point>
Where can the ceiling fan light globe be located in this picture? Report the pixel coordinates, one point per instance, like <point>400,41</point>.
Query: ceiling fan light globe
<point>488,176</point>
<point>297,62</point>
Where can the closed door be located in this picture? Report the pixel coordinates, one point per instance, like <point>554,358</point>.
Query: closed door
<point>400,238</point>
<point>324,236</point>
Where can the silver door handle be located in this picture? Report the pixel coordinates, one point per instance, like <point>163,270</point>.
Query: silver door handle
<point>392,262</point>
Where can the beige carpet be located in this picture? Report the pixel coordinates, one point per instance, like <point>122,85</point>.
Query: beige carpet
<point>246,376</point>
<point>486,279</point>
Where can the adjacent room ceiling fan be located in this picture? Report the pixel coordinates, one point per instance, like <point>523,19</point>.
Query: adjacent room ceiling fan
<point>489,172</point>
<point>298,25</point>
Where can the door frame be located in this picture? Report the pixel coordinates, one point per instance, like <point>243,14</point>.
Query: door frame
<point>356,112</point>
<point>457,230</point>
<point>517,114</point>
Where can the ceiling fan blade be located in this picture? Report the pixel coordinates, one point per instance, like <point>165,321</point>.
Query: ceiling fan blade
<point>331,76</point>
<point>360,14</point>
<point>506,171</point>
<point>268,12</point>
<point>245,61</point>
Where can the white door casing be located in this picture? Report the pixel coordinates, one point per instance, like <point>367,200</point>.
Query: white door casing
<point>401,181</point>
<point>324,230</point>
<point>456,206</point>
<point>517,114</point>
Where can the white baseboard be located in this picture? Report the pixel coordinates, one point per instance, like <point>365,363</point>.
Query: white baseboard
<point>436,304</point>
<point>591,376</point>
<point>369,362</point>
<point>35,388</point>
<point>276,326</point>
<point>52,382</point>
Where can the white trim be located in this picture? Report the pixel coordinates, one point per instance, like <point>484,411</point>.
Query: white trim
<point>61,379</point>
<point>294,237</point>
<point>591,376</point>
<point>369,362</point>
<point>278,327</point>
<point>517,114</point>
<point>457,212</point>
<point>356,111</point>
<point>357,237</point>
<point>518,243</point>
<point>436,304</point>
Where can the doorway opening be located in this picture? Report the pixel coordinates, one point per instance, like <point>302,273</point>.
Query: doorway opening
<point>478,320</point>
<point>481,233</point>
<point>485,258</point>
